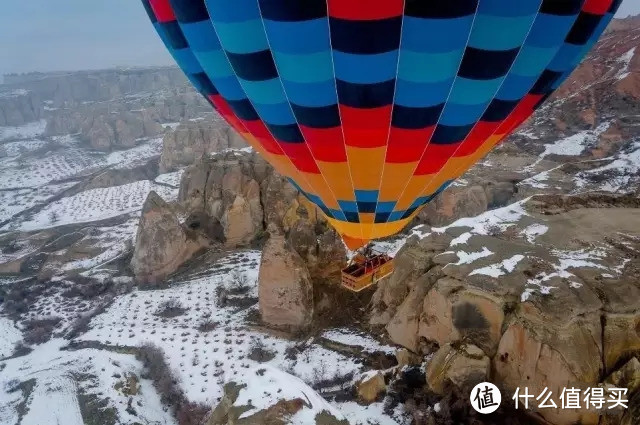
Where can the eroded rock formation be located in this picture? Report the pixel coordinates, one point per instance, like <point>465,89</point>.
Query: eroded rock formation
<point>546,291</point>
<point>162,242</point>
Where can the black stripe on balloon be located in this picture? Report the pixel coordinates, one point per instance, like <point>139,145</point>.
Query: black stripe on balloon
<point>365,95</point>
<point>480,64</point>
<point>614,6</point>
<point>408,213</point>
<point>382,217</point>
<point>583,28</point>
<point>352,217</point>
<point>365,37</point>
<point>317,117</point>
<point>189,11</point>
<point>442,9</point>
<point>289,133</point>
<point>149,10</point>
<point>499,109</point>
<point>203,83</point>
<point>174,34</point>
<point>561,7</point>
<point>293,10</point>
<point>243,109</point>
<point>367,207</point>
<point>415,118</point>
<point>257,66</point>
<point>450,134</point>
<point>545,82</point>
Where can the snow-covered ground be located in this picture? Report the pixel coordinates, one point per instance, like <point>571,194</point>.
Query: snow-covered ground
<point>29,130</point>
<point>60,376</point>
<point>9,336</point>
<point>96,204</point>
<point>208,343</point>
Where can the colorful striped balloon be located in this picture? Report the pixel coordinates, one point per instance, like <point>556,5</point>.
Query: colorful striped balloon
<point>373,107</point>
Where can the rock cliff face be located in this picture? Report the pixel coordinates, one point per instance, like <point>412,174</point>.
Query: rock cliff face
<point>547,291</point>
<point>19,106</point>
<point>66,89</point>
<point>192,140</point>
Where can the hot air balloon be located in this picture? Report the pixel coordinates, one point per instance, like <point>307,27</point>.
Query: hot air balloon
<point>371,108</point>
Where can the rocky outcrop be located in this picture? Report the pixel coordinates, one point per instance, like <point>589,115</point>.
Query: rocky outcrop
<point>545,292</point>
<point>462,366</point>
<point>162,242</point>
<point>192,140</point>
<point>246,195</point>
<point>105,129</point>
<point>19,106</point>
<point>283,399</point>
<point>370,386</point>
<point>284,285</point>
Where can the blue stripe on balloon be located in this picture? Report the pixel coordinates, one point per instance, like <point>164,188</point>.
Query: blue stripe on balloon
<point>311,94</point>
<point>424,67</point>
<point>455,114</point>
<point>299,37</point>
<point>267,92</point>
<point>549,29</point>
<point>228,87</point>
<point>187,61</point>
<point>232,11</point>
<point>516,86</point>
<point>242,37</point>
<point>499,32</point>
<point>201,36</point>
<point>472,92</point>
<point>532,60</point>
<point>508,8</point>
<point>428,35</point>
<point>304,68</point>
<point>276,114</point>
<point>566,58</point>
<point>422,94</point>
<point>215,62</point>
<point>365,69</point>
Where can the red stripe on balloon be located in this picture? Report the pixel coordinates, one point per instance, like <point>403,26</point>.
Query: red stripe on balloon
<point>480,133</point>
<point>163,11</point>
<point>407,145</point>
<point>597,7</point>
<point>261,133</point>
<point>300,156</point>
<point>435,157</point>
<point>326,144</point>
<point>365,10</point>
<point>366,128</point>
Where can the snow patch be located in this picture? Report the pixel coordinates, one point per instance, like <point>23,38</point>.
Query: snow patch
<point>10,335</point>
<point>532,231</point>
<point>265,386</point>
<point>26,131</point>
<point>470,257</point>
<point>496,270</point>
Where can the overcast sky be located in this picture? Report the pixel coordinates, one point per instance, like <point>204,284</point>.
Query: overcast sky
<point>52,35</point>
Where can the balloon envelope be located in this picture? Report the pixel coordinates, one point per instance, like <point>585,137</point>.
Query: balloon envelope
<point>372,107</point>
